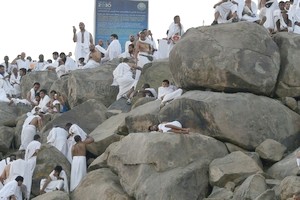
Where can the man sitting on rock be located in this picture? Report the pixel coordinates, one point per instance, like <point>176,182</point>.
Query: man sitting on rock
<point>225,11</point>
<point>281,19</point>
<point>167,93</point>
<point>174,126</point>
<point>57,180</point>
<point>93,59</point>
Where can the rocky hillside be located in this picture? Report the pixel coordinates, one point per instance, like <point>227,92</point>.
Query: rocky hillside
<point>241,90</point>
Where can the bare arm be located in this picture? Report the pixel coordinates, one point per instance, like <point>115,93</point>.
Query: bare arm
<point>136,50</point>
<point>88,140</point>
<point>91,39</point>
<point>74,34</point>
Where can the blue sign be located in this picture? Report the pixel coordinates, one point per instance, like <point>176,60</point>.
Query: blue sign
<point>121,17</point>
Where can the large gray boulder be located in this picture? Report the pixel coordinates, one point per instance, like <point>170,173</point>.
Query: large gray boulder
<point>235,167</point>
<point>100,184</point>
<point>92,84</point>
<point>8,114</point>
<point>288,79</point>
<point>243,119</point>
<point>108,132</point>
<point>45,78</point>
<point>6,138</point>
<point>154,73</point>
<point>221,58</point>
<point>140,118</point>
<point>87,115</point>
<point>144,160</point>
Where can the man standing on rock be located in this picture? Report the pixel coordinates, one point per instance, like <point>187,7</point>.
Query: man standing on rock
<point>143,52</point>
<point>83,40</point>
<point>78,170</point>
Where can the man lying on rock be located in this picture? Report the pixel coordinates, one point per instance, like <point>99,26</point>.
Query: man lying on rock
<point>174,126</point>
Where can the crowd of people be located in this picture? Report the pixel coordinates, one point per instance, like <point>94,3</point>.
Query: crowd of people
<point>283,16</point>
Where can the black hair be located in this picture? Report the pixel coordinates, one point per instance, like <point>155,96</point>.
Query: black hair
<point>77,138</point>
<point>68,125</point>
<point>166,81</point>
<point>43,90</point>
<point>23,70</point>
<point>114,35</point>
<point>55,53</point>
<point>36,83</point>
<point>19,178</point>
<point>146,85</point>
<point>36,137</point>
<point>58,168</point>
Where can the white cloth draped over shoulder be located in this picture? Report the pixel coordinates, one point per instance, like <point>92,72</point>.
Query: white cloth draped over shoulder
<point>61,70</point>
<point>28,132</point>
<point>15,81</point>
<point>43,105</point>
<point>11,188</point>
<point>270,23</point>
<point>30,158</point>
<point>3,96</point>
<point>240,8</point>
<point>162,91</point>
<point>164,129</point>
<point>5,84</point>
<point>82,49</point>
<point>78,171</point>
<point>58,138</point>
<point>56,183</point>
<point>123,77</point>
<point>224,9</point>
<point>297,16</point>
<point>113,50</point>
<point>253,13</point>
<point>21,168</point>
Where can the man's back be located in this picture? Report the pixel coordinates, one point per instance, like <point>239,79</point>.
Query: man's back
<point>79,149</point>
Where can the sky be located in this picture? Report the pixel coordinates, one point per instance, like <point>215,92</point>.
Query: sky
<point>44,26</point>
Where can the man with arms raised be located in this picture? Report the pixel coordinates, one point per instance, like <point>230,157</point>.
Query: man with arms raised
<point>83,39</point>
<point>21,62</point>
<point>78,170</point>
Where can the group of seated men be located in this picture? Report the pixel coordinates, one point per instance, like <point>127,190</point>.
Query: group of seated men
<point>274,16</point>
